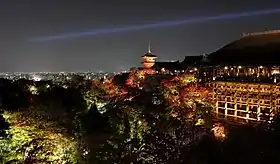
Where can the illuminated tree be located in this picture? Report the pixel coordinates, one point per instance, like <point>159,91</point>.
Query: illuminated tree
<point>187,99</point>
<point>107,91</point>
<point>32,140</point>
<point>128,127</point>
<point>136,78</point>
<point>219,131</point>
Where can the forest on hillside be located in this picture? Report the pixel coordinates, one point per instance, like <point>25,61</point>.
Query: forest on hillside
<point>129,118</point>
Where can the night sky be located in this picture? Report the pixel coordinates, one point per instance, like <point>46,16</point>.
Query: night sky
<point>22,20</point>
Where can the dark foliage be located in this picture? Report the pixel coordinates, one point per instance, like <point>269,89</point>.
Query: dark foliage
<point>14,95</point>
<point>4,125</point>
<point>96,120</point>
<point>120,79</point>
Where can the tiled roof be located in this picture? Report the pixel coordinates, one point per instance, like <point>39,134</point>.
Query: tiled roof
<point>259,48</point>
<point>149,54</point>
<point>167,65</point>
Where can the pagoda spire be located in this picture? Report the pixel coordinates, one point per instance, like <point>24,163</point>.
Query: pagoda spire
<point>149,48</point>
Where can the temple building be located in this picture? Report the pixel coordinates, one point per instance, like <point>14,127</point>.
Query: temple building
<point>148,61</point>
<point>189,64</point>
<point>244,75</point>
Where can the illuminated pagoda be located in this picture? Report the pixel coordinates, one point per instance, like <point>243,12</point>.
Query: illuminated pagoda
<point>149,60</point>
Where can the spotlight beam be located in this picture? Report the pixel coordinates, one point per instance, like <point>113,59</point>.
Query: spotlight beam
<point>163,24</point>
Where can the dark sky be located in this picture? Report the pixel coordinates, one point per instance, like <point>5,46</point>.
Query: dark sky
<point>21,20</point>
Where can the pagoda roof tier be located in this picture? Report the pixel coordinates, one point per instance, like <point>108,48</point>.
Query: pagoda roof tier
<point>150,54</point>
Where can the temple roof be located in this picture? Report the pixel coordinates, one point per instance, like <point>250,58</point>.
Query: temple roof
<point>257,48</point>
<point>149,54</point>
<point>167,65</point>
<point>192,60</point>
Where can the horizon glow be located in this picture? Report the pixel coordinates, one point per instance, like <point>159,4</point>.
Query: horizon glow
<point>162,24</point>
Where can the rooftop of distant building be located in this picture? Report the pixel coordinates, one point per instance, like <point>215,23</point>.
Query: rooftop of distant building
<point>259,47</point>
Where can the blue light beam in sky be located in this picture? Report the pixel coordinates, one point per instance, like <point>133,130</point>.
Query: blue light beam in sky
<point>96,32</point>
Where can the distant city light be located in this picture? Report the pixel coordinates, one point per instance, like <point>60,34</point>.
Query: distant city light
<point>36,78</point>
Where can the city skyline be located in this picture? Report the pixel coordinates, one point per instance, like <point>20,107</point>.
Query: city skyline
<point>116,52</point>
